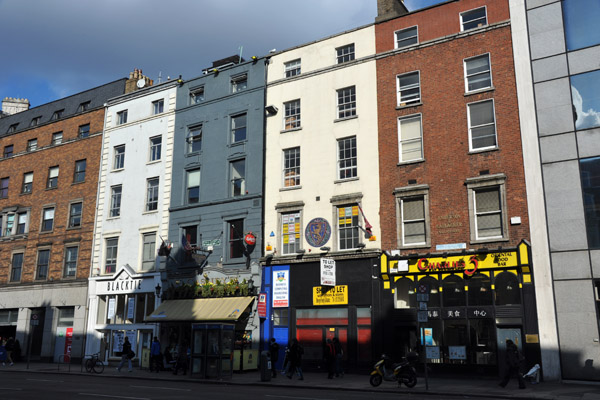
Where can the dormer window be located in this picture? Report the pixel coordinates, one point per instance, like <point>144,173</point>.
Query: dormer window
<point>12,128</point>
<point>57,114</point>
<point>84,106</point>
<point>35,121</point>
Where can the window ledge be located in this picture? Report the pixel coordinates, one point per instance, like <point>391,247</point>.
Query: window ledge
<point>240,143</point>
<point>346,180</point>
<point>52,188</point>
<point>111,218</point>
<point>415,246</point>
<point>491,240</point>
<point>409,105</point>
<point>345,119</point>
<point>77,183</point>
<point>483,150</point>
<point>150,212</point>
<point>153,162</point>
<point>117,170</point>
<point>74,228</point>
<point>290,130</point>
<point>422,160</point>
<point>45,232</point>
<point>24,194</point>
<point>285,189</point>
<point>194,153</point>
<point>488,89</point>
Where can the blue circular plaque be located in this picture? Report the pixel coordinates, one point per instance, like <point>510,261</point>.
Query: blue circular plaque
<point>317,232</point>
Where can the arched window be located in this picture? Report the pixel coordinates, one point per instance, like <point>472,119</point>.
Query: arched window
<point>404,295</point>
<point>434,290</point>
<point>480,290</point>
<point>507,289</point>
<point>454,291</point>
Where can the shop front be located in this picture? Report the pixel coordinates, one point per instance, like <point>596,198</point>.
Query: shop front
<point>118,305</point>
<point>299,306</point>
<point>457,310</point>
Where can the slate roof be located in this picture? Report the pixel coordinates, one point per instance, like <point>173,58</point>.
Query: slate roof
<point>97,97</point>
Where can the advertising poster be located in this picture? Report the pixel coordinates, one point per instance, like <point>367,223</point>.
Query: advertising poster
<point>327,272</point>
<point>111,308</point>
<point>130,307</point>
<point>457,352</point>
<point>281,288</point>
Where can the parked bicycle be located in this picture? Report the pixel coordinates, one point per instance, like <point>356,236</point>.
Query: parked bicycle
<point>94,364</point>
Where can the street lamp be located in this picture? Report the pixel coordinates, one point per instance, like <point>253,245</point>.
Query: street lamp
<point>157,289</point>
<point>251,287</point>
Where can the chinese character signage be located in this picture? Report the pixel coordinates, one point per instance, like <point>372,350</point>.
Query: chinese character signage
<point>327,272</point>
<point>281,288</point>
<point>457,352</point>
<point>452,313</point>
<point>481,312</point>
<point>324,296</point>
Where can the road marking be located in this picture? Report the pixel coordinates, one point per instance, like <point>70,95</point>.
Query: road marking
<point>160,387</point>
<point>113,397</point>
<point>291,397</point>
<point>7,388</point>
<point>44,380</point>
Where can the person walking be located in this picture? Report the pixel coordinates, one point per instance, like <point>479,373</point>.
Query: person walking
<point>3,351</point>
<point>513,363</point>
<point>274,350</point>
<point>329,358</point>
<point>126,355</point>
<point>155,355</point>
<point>182,359</point>
<point>9,347</point>
<point>295,362</point>
<point>339,353</point>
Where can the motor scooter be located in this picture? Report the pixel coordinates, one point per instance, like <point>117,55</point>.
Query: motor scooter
<point>402,372</point>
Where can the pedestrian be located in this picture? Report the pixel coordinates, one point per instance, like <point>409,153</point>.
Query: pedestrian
<point>296,352</point>
<point>514,358</point>
<point>286,361</point>
<point>339,353</point>
<point>9,347</point>
<point>2,352</point>
<point>182,359</point>
<point>274,350</point>
<point>16,354</point>
<point>329,353</point>
<point>126,355</point>
<point>155,355</point>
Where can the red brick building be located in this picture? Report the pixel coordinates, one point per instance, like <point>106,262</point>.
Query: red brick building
<point>453,204</point>
<point>49,166</point>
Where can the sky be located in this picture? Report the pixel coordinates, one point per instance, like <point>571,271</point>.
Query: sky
<point>51,49</point>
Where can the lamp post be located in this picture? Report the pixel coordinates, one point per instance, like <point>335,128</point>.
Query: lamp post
<point>157,290</point>
<point>251,287</point>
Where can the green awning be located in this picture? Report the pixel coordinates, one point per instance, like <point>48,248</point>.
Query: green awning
<point>197,310</point>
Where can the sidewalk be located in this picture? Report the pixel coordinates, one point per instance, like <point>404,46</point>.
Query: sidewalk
<point>485,387</point>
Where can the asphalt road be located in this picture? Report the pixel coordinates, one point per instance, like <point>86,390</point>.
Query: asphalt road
<point>20,386</point>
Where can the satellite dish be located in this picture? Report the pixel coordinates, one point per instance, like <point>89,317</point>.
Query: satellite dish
<point>141,83</point>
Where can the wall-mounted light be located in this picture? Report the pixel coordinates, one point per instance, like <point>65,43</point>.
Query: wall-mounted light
<point>157,290</point>
<point>361,246</point>
<point>325,248</point>
<point>271,110</point>
<point>300,251</point>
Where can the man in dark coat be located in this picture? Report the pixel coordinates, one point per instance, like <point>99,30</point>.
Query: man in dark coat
<point>274,350</point>
<point>296,352</point>
<point>330,358</point>
<point>513,363</point>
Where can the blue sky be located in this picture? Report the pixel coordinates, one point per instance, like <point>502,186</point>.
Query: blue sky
<point>52,49</point>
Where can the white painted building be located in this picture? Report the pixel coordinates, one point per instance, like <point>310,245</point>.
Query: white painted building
<point>131,218</point>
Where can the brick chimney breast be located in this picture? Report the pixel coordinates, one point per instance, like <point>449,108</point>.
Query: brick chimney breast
<point>134,77</point>
<point>388,9</point>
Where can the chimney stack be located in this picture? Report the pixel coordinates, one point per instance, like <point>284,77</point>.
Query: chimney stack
<point>132,83</point>
<point>388,9</point>
<point>11,105</point>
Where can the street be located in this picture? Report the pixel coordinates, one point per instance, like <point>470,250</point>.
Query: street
<point>19,386</point>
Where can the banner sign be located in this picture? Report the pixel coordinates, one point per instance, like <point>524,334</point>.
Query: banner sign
<point>330,296</point>
<point>327,272</point>
<point>262,305</point>
<point>281,288</point>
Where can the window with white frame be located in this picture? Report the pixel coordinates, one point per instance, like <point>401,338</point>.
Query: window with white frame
<point>482,125</point>
<point>158,106</point>
<point>194,139</point>
<point>71,256</point>
<point>412,212</point>
<point>57,138</point>
<point>16,267</point>
<point>152,194</point>
<point>478,73</point>
<point>110,257</point>
<point>27,182</point>
<point>115,201</point>
<point>410,138</point>
<point>9,225</point>
<point>290,232</point>
<point>238,128</point>
<point>84,106</point>
<point>235,239</point>
<point>52,178</point>
<point>348,231</point>
<point>473,19</point>
<point>148,251</point>
<point>22,223</point>
<point>345,53</point>
<point>193,185</point>
<point>32,144</point>
<point>407,37</point>
<point>119,157</point>
<point>79,173</point>
<point>35,121</point>
<point>47,219</point>
<point>83,131</point>
<point>14,223</point>
<point>155,148</point>
<point>239,83</point>
<point>292,68</point>
<point>291,118</point>
<point>487,207</point>
<point>238,177</point>
<point>75,212</point>
<point>197,95</point>
<point>122,117</point>
<point>291,167</point>
<point>43,261</point>
<point>409,88</point>
<point>346,102</point>
<point>347,161</point>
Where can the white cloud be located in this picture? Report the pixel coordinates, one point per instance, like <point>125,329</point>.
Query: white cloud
<point>585,119</point>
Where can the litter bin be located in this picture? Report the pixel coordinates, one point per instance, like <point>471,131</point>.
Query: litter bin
<point>265,366</point>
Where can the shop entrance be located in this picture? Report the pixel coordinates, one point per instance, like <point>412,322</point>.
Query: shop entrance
<point>505,334</point>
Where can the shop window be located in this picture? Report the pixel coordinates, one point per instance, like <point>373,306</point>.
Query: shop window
<point>140,307</point>
<point>480,290</point>
<point>66,316</point>
<point>455,340</point>
<point>431,335</point>
<point>434,291</point>
<point>581,23</point>
<point>507,288</point>
<point>405,294</point>
<point>322,316</point>
<point>453,291</point>
<point>280,317</point>
<point>483,341</point>
<point>586,101</point>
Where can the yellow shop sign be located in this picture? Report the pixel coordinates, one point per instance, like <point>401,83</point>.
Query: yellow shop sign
<point>327,296</point>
